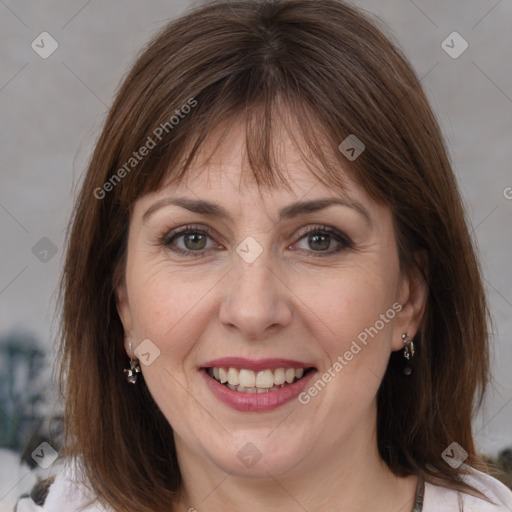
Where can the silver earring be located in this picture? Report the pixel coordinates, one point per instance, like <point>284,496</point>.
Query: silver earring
<point>408,346</point>
<point>408,352</point>
<point>131,373</point>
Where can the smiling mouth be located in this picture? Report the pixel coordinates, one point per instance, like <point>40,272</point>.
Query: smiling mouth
<point>249,381</point>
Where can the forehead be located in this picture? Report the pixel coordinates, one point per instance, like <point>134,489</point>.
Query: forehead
<point>221,170</point>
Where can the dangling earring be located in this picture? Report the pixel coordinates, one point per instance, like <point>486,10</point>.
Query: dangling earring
<point>131,373</point>
<point>408,352</point>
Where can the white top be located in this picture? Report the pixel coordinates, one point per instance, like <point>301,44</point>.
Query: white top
<point>66,496</point>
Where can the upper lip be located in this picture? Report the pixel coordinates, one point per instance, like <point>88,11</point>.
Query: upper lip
<point>255,364</point>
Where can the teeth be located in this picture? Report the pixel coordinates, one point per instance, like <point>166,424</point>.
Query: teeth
<point>247,378</point>
<point>265,379</point>
<point>279,376</point>
<point>241,389</point>
<point>223,375</point>
<point>248,381</point>
<point>233,377</point>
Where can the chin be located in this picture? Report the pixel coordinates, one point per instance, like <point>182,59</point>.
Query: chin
<point>260,455</point>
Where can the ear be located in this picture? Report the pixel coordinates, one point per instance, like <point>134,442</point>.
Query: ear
<point>125,314</point>
<point>413,296</point>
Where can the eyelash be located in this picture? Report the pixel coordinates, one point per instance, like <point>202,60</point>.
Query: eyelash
<point>341,238</point>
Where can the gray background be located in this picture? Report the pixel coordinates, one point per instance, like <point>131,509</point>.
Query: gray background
<point>51,111</point>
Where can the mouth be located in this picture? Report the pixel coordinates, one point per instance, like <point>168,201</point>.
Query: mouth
<point>252,386</point>
<point>244,380</point>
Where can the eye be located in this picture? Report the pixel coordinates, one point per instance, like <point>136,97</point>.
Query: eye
<point>193,241</point>
<point>188,240</point>
<point>320,239</point>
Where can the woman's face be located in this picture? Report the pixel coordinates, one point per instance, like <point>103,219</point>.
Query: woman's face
<point>263,287</point>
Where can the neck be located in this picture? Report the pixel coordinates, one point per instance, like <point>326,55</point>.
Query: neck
<point>352,477</point>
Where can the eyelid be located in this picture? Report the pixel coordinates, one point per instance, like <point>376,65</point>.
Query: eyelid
<point>341,238</point>
<point>182,230</point>
<point>334,233</point>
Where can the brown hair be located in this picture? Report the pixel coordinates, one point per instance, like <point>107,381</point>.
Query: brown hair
<point>336,74</point>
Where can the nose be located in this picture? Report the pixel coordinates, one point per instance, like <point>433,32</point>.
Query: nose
<point>256,299</point>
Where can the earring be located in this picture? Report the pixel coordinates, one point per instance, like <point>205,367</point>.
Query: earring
<point>131,373</point>
<point>408,352</point>
<point>408,346</point>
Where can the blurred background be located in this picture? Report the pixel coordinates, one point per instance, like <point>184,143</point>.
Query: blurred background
<point>60,65</point>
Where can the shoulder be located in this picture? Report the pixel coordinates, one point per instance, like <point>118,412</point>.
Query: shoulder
<point>67,492</point>
<point>441,499</point>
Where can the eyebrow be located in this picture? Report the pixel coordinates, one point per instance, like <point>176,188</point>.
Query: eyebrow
<point>203,207</point>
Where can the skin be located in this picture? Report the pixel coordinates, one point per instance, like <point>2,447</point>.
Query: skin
<point>288,303</point>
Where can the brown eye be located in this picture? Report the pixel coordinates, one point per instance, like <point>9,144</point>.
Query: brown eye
<point>319,242</point>
<point>194,241</point>
<point>188,240</point>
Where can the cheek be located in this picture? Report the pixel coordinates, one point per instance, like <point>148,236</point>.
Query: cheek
<point>352,325</point>
<point>348,304</point>
<point>167,309</point>
<point>354,332</point>
<point>168,306</point>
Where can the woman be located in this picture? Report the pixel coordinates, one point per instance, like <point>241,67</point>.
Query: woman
<point>271,243</point>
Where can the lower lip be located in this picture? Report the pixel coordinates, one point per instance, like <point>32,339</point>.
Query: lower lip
<point>255,402</point>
